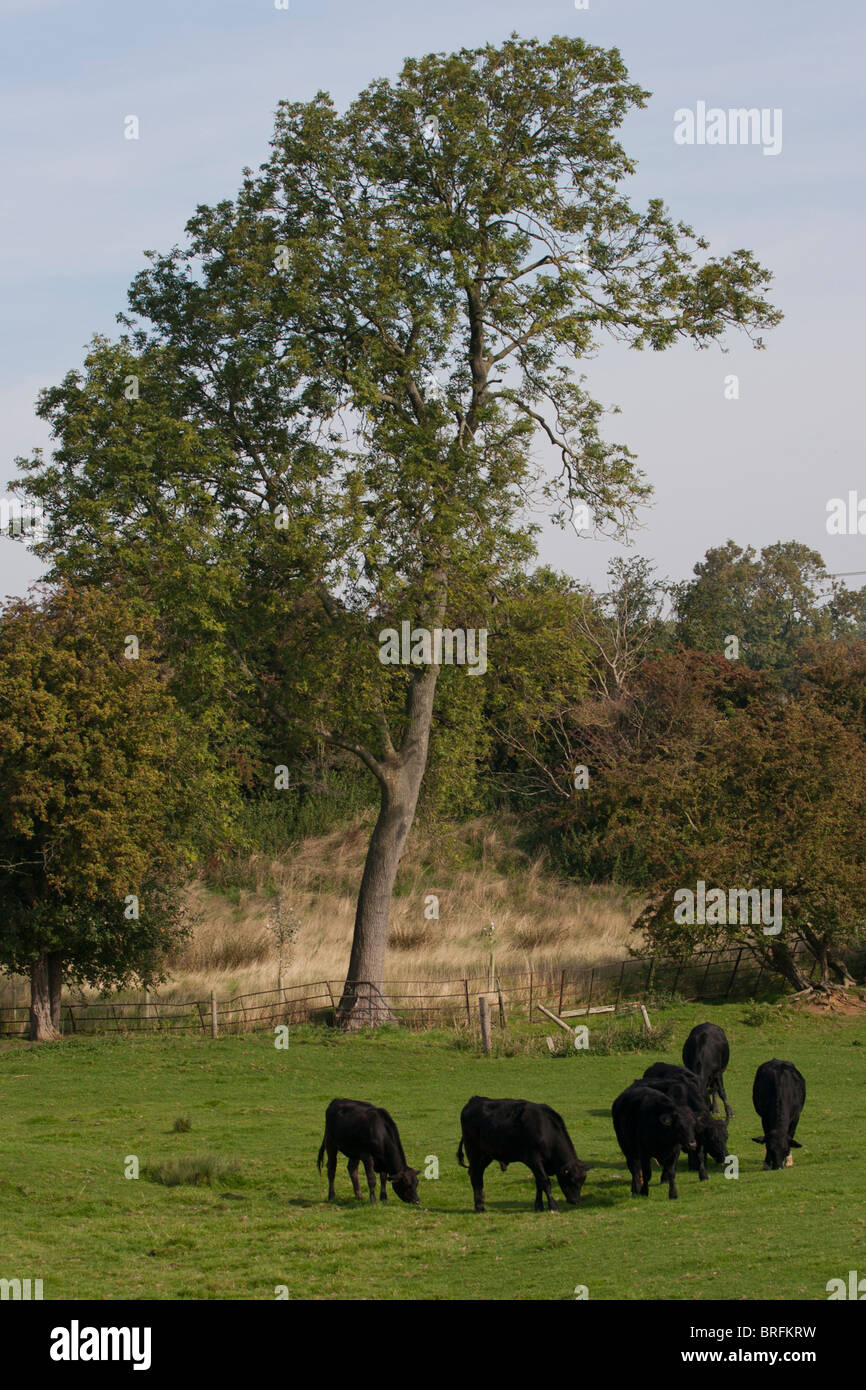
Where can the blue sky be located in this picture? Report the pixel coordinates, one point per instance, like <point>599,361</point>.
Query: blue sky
<point>79,204</point>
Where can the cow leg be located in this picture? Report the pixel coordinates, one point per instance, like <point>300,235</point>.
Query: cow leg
<point>721,1085</point>
<point>698,1161</point>
<point>352,1166</point>
<point>476,1177</point>
<point>669,1175</point>
<point>542,1188</point>
<point>789,1161</point>
<point>371,1177</point>
<point>383,1190</point>
<point>636,1176</point>
<point>332,1169</point>
<point>646,1167</point>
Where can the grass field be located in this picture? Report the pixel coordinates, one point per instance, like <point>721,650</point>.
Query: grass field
<point>72,1113</point>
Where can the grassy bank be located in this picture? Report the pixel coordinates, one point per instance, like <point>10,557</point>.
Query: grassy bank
<point>477,872</point>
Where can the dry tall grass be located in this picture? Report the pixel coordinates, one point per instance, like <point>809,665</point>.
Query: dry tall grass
<point>478,875</point>
<point>542,922</point>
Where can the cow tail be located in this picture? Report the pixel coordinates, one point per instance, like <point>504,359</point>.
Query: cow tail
<point>460,1153</point>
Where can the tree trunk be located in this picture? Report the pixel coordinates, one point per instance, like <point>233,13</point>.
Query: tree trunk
<point>783,963</point>
<point>840,970</point>
<point>46,976</point>
<point>822,950</point>
<point>400,774</point>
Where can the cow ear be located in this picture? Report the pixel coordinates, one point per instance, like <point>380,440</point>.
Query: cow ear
<point>795,1145</point>
<point>762,1140</point>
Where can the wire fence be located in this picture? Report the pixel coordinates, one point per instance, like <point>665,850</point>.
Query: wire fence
<point>709,975</point>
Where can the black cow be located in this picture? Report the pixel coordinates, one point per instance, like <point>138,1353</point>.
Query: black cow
<point>778,1095</point>
<point>651,1125</point>
<point>519,1131</point>
<point>366,1134</point>
<point>706,1053</point>
<point>684,1088</point>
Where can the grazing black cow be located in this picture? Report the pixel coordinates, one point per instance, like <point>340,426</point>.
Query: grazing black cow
<point>778,1095</point>
<point>519,1131</point>
<point>706,1053</point>
<point>651,1125</point>
<point>367,1134</point>
<point>684,1088</point>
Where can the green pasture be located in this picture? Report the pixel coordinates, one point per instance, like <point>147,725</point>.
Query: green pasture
<point>72,1114</point>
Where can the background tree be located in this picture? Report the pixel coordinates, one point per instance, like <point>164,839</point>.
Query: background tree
<point>711,772</point>
<point>106,788</point>
<point>623,624</point>
<point>345,371</point>
<point>770,600</point>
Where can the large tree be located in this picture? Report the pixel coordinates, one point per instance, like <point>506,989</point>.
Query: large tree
<point>106,786</point>
<point>342,378</point>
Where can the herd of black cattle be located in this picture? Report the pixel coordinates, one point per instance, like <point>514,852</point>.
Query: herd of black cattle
<point>668,1110</point>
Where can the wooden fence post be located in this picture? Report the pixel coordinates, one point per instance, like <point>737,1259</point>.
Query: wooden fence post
<point>734,971</point>
<point>760,973</point>
<point>561,991</point>
<point>468,1009</point>
<point>213,1014</point>
<point>591,982</point>
<point>484,1014</point>
<point>619,988</point>
<point>501,1004</point>
<point>706,973</point>
<point>530,995</point>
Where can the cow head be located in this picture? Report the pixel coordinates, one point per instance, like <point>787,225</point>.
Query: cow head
<point>778,1149</point>
<point>682,1124</point>
<point>571,1180</point>
<point>405,1184</point>
<point>714,1136</point>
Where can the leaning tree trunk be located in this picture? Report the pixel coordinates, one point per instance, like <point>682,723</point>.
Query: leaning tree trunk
<point>784,963</point>
<point>830,963</point>
<point>400,774</point>
<point>46,976</point>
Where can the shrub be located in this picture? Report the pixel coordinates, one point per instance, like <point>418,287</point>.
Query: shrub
<point>193,1172</point>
